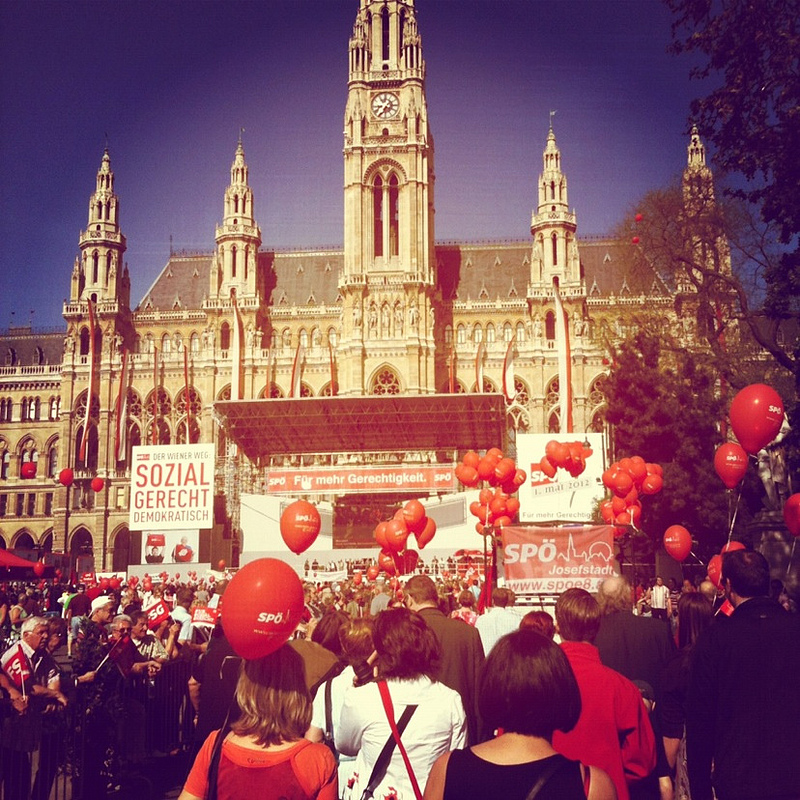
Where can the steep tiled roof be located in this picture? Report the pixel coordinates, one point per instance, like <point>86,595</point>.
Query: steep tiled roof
<point>468,271</point>
<point>28,348</point>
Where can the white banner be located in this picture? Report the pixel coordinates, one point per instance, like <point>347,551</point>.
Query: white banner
<point>563,497</point>
<point>172,487</point>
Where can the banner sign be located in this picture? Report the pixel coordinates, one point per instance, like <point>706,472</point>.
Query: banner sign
<point>172,485</point>
<point>202,615</point>
<point>371,479</point>
<point>549,560</point>
<point>562,498</point>
<point>156,614</point>
<point>173,547</point>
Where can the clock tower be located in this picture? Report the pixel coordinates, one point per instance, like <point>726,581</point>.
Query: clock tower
<point>388,281</point>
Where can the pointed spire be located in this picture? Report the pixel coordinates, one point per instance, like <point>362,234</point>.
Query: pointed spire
<point>696,150</point>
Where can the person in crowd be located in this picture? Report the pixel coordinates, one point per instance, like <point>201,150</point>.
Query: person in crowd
<point>184,598</point>
<point>461,651</point>
<point>743,700</point>
<point>694,616</point>
<point>638,647</point>
<point>17,614</point>
<point>381,599</point>
<point>539,621</point>
<point>466,608</point>
<point>92,635</point>
<point>709,591</point>
<point>21,732</point>
<point>326,631</point>
<point>657,598</point>
<point>149,645</point>
<point>357,646</point>
<point>265,749</point>
<point>498,620</point>
<point>80,606</point>
<point>527,692</point>
<point>613,731</point>
<point>406,651</point>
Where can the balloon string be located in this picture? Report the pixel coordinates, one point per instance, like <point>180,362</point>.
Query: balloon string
<point>791,557</point>
<point>700,560</point>
<point>735,512</point>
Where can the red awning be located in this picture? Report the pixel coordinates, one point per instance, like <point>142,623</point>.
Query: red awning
<point>10,560</point>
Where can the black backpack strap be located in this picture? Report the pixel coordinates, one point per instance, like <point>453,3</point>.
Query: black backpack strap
<point>216,754</point>
<point>382,763</point>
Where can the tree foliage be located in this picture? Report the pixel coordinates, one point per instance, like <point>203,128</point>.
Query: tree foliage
<point>664,405</point>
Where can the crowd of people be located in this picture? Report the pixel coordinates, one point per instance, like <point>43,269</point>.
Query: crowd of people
<point>416,690</point>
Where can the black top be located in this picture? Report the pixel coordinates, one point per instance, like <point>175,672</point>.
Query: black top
<point>470,776</point>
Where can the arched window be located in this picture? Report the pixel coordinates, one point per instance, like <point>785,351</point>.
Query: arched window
<point>233,261</point>
<point>461,334</point>
<point>554,240</point>
<point>304,337</point>
<point>225,336</point>
<point>477,334</point>
<point>166,343</point>
<point>550,326</point>
<point>394,216</point>
<point>377,211</point>
<point>448,334</point>
<point>194,343</point>
<point>490,333</point>
<point>385,33</point>
<point>508,332</point>
<point>333,337</point>
<point>84,342</point>
<point>386,382</point>
<point>52,460</point>
<point>520,332</point>
<point>95,266</point>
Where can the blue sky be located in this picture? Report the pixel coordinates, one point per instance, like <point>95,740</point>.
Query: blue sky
<point>170,83</point>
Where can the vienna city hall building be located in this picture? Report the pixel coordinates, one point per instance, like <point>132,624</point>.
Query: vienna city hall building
<point>391,349</point>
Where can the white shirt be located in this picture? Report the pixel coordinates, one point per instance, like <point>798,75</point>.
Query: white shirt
<point>438,725</point>
<point>495,624</point>
<point>659,596</point>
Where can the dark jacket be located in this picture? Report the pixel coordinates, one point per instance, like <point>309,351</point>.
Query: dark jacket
<point>743,705</point>
<point>461,662</point>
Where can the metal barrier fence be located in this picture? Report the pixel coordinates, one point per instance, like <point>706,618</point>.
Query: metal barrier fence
<point>102,743</point>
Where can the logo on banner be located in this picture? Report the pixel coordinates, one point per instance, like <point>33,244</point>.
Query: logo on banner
<point>17,667</point>
<point>202,615</point>
<point>156,614</point>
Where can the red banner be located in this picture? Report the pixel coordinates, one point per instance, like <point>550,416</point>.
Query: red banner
<point>548,560</point>
<point>17,667</point>
<point>202,615</point>
<point>350,480</point>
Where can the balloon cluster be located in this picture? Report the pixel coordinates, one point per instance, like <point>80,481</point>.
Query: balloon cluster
<point>570,456</point>
<point>493,508</point>
<point>628,479</point>
<point>493,468</point>
<point>392,536</point>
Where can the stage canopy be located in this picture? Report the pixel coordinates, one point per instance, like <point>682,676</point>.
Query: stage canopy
<point>264,428</point>
<point>10,560</point>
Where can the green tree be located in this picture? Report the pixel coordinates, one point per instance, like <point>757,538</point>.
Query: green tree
<point>664,405</point>
<point>751,52</point>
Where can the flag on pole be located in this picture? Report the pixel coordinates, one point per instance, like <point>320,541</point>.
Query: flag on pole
<point>236,355</point>
<point>296,370</point>
<point>87,417</point>
<point>121,432</point>
<point>451,370</point>
<point>17,667</point>
<point>154,437</point>
<point>479,368</point>
<point>333,370</point>
<point>509,390</point>
<point>564,363</point>
<point>186,395</point>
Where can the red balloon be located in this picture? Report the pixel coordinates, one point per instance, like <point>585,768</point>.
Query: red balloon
<point>427,533</point>
<point>677,542</point>
<point>380,535</point>
<point>115,583</point>
<point>715,570</point>
<point>652,484</point>
<point>498,506</point>
<point>756,416</point>
<point>560,454</point>
<point>512,506</point>
<point>373,571</point>
<point>38,569</point>
<point>28,470</point>
<point>486,468</point>
<point>623,483</point>
<point>502,521</point>
<point>639,217</point>
<point>505,469</point>
<point>471,459</point>
<point>66,477</point>
<point>655,469</point>
<point>105,583</point>
<point>495,453</point>
<point>300,524</point>
<point>386,562</point>
<point>414,514</point>
<point>730,462</point>
<point>221,565</point>
<point>396,534</point>
<point>97,484</point>
<point>638,469</point>
<point>791,514</point>
<point>485,496</point>
<point>468,475</point>
<point>480,511</point>
<point>263,604</point>
<point>731,546</point>
<point>607,511</point>
<point>357,578</point>
<point>547,467</point>
<point>635,240</point>
<point>520,476</point>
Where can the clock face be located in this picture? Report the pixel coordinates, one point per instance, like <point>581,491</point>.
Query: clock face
<point>385,105</point>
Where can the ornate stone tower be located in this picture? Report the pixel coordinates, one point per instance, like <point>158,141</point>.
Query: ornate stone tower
<point>98,273</point>
<point>233,271</point>
<point>388,281</point>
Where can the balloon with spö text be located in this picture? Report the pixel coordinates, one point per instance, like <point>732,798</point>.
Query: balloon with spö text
<point>300,525</point>
<point>263,605</point>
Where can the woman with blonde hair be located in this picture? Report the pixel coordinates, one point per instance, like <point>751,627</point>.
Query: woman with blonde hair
<point>264,751</point>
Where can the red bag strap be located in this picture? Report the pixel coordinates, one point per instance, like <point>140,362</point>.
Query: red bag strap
<point>383,688</point>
